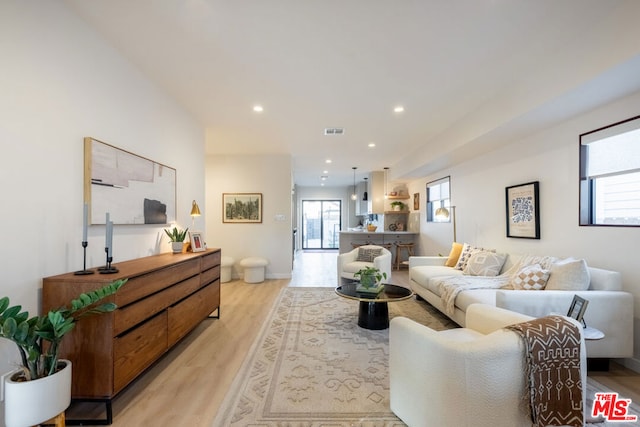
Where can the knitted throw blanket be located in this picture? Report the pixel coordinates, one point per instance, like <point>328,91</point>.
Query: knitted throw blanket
<point>552,348</point>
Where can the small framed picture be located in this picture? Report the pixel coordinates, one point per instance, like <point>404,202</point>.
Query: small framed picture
<point>197,241</point>
<point>577,308</point>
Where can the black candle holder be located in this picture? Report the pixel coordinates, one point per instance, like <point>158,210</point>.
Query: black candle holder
<point>108,268</point>
<point>84,270</point>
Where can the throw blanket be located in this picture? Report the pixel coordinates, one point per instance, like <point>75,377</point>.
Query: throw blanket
<point>552,350</point>
<point>450,286</point>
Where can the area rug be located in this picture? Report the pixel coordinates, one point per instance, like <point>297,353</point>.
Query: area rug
<point>313,366</point>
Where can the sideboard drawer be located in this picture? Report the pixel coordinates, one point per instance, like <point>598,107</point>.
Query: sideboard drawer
<point>187,313</point>
<point>139,287</point>
<point>131,315</point>
<point>137,349</point>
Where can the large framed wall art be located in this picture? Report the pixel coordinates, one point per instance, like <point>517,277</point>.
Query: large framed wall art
<point>242,207</point>
<point>523,211</point>
<point>130,188</point>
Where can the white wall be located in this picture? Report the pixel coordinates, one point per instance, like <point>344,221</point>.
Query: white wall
<point>551,157</point>
<point>271,239</point>
<point>59,83</point>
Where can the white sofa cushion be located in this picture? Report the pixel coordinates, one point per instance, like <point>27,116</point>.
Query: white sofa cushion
<point>569,275</point>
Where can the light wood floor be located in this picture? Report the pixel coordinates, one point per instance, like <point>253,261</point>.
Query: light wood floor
<point>187,386</point>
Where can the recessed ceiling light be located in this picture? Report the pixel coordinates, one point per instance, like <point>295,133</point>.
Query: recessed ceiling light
<point>325,172</point>
<point>398,109</point>
<point>371,144</point>
<point>258,108</point>
<point>328,161</point>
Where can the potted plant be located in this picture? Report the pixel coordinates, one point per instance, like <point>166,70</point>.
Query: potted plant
<point>370,279</point>
<point>41,387</point>
<point>397,205</point>
<point>176,237</point>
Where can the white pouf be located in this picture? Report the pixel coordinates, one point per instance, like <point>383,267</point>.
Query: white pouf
<point>253,269</point>
<point>226,263</point>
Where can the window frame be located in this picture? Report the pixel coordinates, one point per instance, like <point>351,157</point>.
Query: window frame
<point>441,202</point>
<point>586,202</point>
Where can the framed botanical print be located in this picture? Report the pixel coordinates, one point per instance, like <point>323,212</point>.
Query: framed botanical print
<point>242,207</point>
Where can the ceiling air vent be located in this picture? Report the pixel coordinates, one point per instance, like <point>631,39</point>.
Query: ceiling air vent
<point>333,131</point>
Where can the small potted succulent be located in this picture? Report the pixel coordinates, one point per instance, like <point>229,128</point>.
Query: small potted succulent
<point>176,237</point>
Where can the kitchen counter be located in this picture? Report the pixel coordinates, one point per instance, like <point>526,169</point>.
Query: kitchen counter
<point>351,239</point>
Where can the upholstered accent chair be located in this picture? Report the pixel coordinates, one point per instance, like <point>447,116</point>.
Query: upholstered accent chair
<point>361,257</point>
<point>472,376</point>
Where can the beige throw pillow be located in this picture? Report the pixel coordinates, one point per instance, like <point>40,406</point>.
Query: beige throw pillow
<point>569,275</point>
<point>530,278</point>
<point>485,263</point>
<point>467,251</point>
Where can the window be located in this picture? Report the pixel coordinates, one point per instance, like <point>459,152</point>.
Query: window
<point>610,175</point>
<point>438,196</point>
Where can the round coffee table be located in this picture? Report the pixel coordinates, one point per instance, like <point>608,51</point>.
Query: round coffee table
<point>374,312</point>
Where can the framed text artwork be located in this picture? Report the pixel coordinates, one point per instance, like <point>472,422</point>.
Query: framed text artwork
<point>523,211</point>
<point>242,207</point>
<point>130,188</point>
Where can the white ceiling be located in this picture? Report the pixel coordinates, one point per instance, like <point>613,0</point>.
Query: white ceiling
<point>471,74</point>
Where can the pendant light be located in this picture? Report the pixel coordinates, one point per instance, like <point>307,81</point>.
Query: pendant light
<point>354,196</point>
<point>386,172</point>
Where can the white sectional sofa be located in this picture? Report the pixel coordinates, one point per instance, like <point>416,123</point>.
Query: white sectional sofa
<point>609,310</point>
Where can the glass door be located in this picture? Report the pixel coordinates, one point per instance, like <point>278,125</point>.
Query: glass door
<point>321,224</point>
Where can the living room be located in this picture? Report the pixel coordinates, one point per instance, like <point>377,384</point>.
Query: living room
<point>63,81</point>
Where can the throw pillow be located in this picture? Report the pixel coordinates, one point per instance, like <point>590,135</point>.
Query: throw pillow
<point>569,275</point>
<point>485,263</point>
<point>467,251</point>
<point>368,254</point>
<point>530,278</point>
<point>456,250</point>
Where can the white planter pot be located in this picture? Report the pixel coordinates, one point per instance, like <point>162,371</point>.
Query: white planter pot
<point>33,402</point>
<point>176,247</point>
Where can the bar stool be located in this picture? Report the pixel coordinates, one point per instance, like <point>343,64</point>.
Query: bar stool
<point>399,248</point>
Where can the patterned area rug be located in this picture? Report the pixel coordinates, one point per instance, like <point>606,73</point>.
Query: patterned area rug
<point>313,366</point>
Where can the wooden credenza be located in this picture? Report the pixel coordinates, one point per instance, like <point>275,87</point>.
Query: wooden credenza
<point>165,297</point>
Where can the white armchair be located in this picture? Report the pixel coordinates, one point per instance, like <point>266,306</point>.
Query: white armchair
<point>351,262</point>
<point>472,376</point>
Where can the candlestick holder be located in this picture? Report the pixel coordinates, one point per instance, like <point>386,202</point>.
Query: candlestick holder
<point>84,270</point>
<point>108,268</point>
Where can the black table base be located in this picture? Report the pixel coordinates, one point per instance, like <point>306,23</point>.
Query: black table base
<point>373,315</point>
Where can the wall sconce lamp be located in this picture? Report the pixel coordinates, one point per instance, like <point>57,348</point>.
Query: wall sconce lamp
<point>443,214</point>
<point>354,196</point>
<point>195,211</point>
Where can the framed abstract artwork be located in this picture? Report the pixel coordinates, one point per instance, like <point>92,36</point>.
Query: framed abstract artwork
<point>129,188</point>
<point>242,207</point>
<point>523,211</point>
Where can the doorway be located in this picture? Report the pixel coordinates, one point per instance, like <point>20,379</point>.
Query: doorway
<point>321,223</point>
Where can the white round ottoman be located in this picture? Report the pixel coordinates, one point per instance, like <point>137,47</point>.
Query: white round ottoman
<point>226,262</point>
<point>253,269</point>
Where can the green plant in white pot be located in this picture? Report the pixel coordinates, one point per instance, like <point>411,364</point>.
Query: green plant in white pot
<point>41,388</point>
<point>176,237</point>
<point>370,279</point>
<point>397,206</point>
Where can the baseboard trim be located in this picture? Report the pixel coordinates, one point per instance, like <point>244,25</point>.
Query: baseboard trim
<point>631,363</point>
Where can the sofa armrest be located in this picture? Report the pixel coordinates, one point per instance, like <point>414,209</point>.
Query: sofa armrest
<point>609,311</point>
<point>486,318</point>
<point>415,261</point>
<point>450,382</point>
